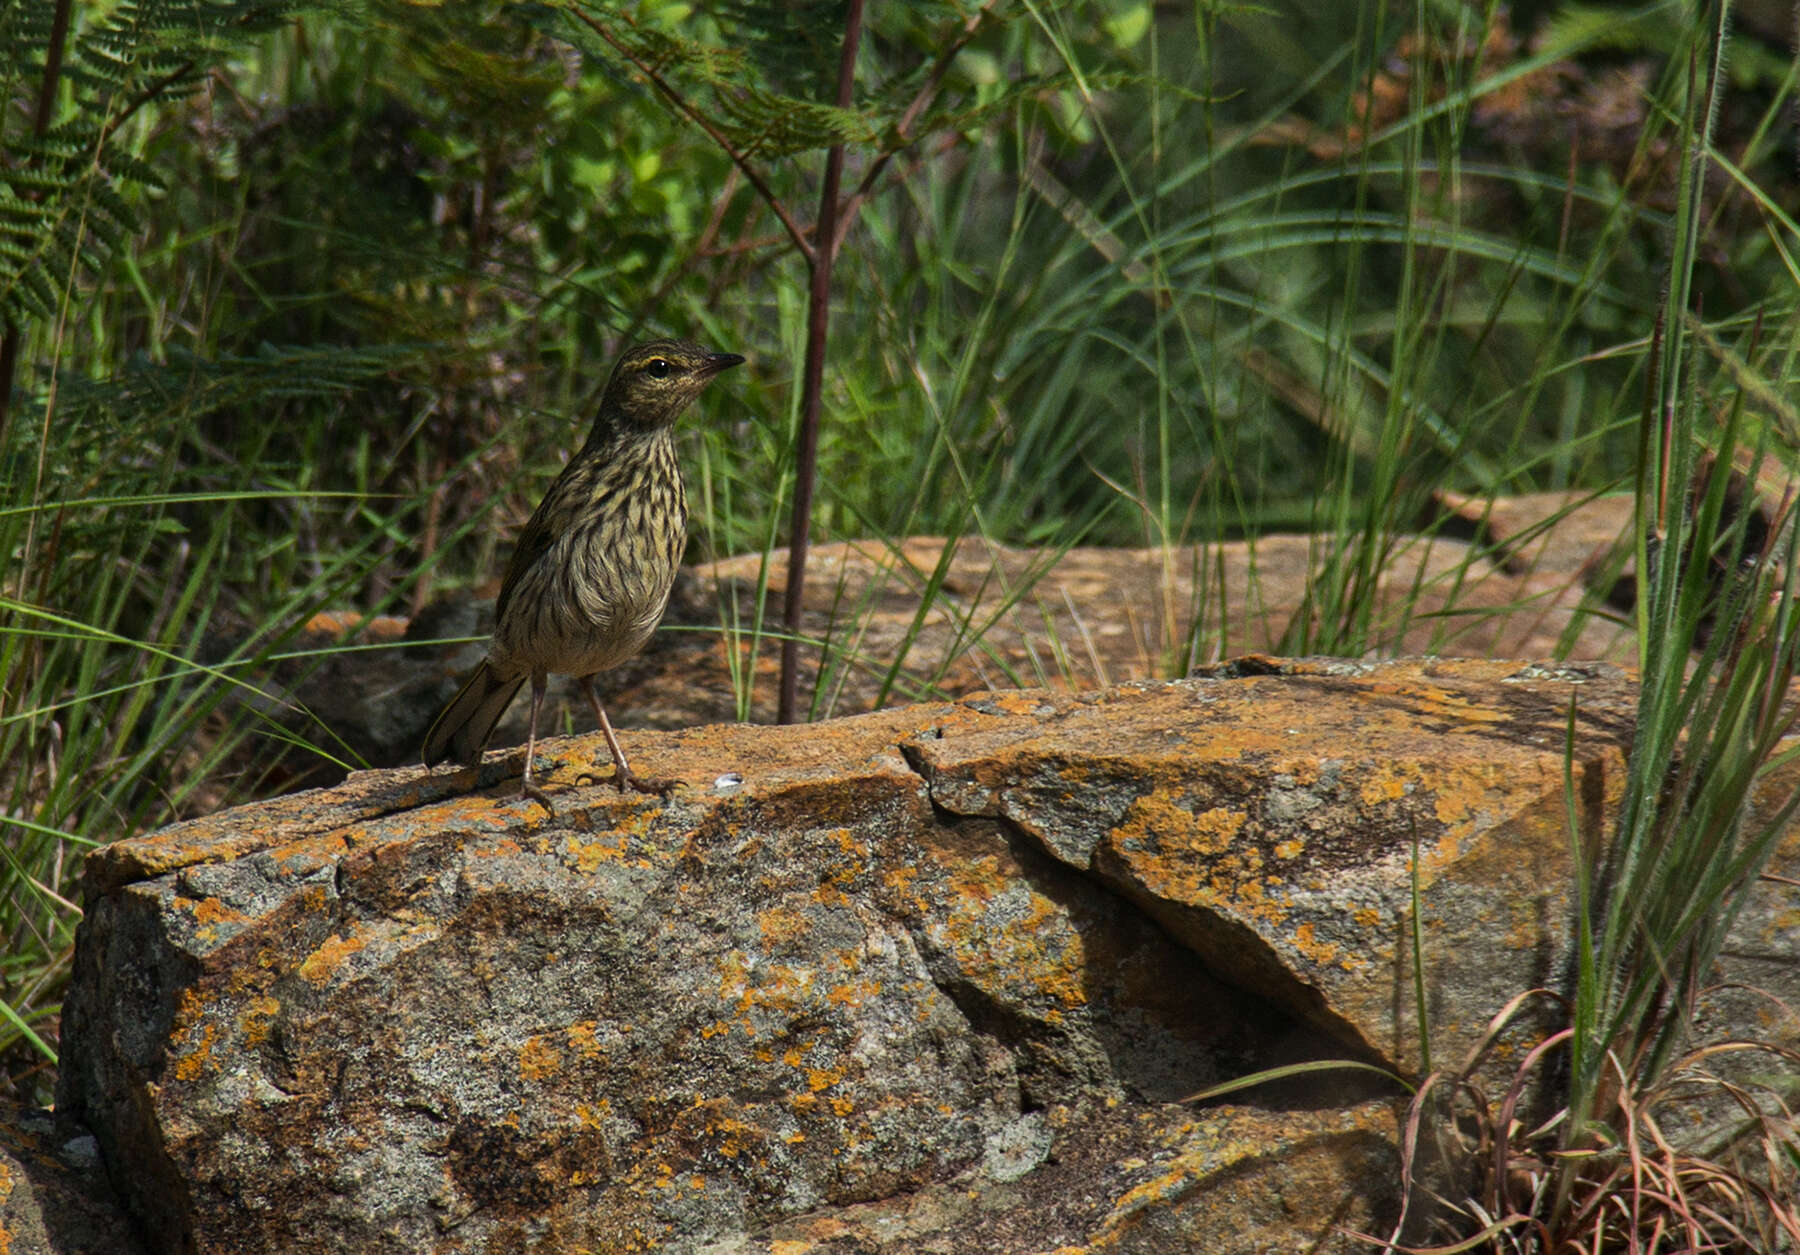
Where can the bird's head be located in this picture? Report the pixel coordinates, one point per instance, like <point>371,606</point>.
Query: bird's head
<point>655,381</point>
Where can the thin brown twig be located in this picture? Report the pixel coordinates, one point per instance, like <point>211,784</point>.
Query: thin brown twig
<point>934,79</point>
<point>853,204</point>
<point>744,248</point>
<point>795,231</point>
<point>144,97</point>
<point>701,248</point>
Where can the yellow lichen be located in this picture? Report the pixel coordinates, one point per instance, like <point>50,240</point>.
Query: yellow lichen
<point>258,1020</point>
<point>323,963</point>
<point>539,1059</point>
<point>192,1063</point>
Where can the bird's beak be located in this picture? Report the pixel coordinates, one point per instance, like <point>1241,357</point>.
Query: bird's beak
<point>716,362</point>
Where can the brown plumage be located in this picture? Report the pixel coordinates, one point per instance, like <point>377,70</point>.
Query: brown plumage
<point>590,577</point>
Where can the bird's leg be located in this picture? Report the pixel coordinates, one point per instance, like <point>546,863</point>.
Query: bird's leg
<point>622,774</point>
<point>529,789</point>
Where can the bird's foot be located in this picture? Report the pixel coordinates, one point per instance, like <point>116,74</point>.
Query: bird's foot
<point>528,788</point>
<point>627,781</point>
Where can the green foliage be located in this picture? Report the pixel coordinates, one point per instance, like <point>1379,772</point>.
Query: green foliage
<point>310,305</point>
<point>756,122</point>
<point>66,187</point>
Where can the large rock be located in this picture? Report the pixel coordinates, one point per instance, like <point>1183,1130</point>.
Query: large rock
<point>933,978</point>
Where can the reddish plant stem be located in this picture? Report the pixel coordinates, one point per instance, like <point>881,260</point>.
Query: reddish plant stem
<point>818,318</point>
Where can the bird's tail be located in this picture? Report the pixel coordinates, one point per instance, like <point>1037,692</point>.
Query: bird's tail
<point>463,727</point>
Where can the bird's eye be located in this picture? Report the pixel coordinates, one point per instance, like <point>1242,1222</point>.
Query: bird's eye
<point>657,368</point>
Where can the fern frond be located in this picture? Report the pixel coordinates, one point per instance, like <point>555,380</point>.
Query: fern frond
<point>794,43</point>
<point>762,124</point>
<point>192,385</point>
<point>65,194</point>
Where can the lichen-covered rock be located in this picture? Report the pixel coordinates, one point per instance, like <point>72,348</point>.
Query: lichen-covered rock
<point>1267,817</point>
<point>932,979</point>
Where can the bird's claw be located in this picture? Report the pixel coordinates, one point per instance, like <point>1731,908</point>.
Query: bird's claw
<point>627,781</point>
<point>528,789</point>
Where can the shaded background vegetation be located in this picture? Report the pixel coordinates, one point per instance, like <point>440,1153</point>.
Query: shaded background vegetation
<point>333,288</point>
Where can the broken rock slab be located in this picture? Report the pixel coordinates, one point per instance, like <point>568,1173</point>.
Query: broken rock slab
<point>1267,817</point>
<point>930,979</point>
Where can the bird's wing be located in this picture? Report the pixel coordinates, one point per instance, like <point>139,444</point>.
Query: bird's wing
<point>537,537</point>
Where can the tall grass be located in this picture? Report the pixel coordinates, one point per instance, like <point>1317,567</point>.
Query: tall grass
<point>1648,1133</point>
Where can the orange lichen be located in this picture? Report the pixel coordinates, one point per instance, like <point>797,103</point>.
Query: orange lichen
<point>538,1059</point>
<point>608,847</point>
<point>782,925</point>
<point>502,848</point>
<point>211,911</point>
<point>1198,858</point>
<point>1384,784</point>
<point>901,877</point>
<point>734,1135</point>
<point>191,1064</point>
<point>1156,821</point>
<point>190,1037</point>
<point>258,1020</point>
<point>853,993</point>
<point>1323,952</point>
<point>319,966</point>
<point>823,1078</point>
<point>1033,949</point>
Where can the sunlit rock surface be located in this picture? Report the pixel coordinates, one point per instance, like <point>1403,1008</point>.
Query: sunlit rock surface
<point>929,979</point>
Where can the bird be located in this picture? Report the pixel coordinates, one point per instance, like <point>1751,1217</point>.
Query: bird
<point>590,576</point>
